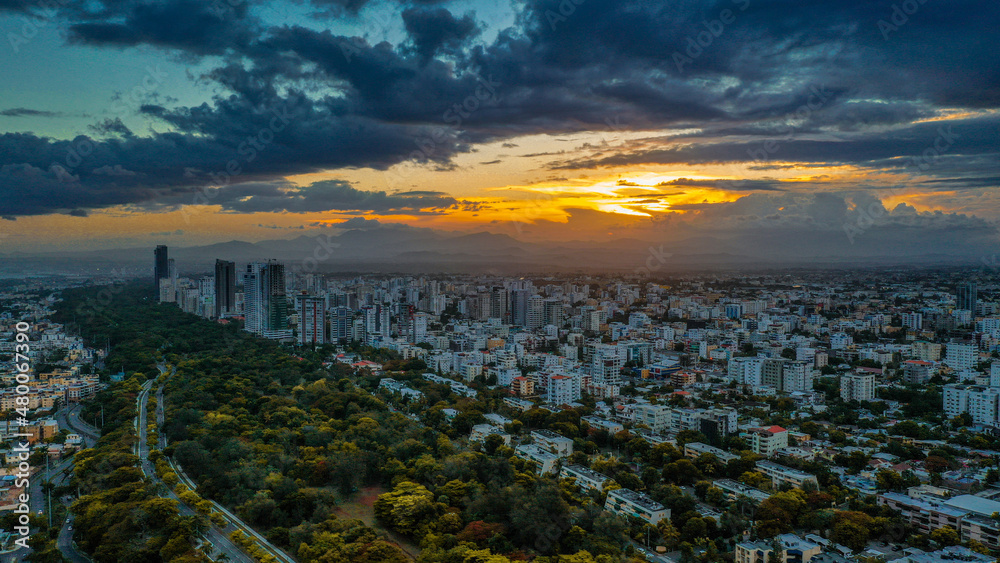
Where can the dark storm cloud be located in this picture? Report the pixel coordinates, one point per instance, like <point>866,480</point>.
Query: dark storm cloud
<point>189,25</point>
<point>436,30</point>
<point>27,112</point>
<point>604,65</point>
<point>972,138</point>
<point>331,195</point>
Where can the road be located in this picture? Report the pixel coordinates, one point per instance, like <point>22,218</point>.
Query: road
<point>67,417</point>
<point>218,538</point>
<point>234,522</point>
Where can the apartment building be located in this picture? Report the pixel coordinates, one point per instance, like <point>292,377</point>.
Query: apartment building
<point>603,423</point>
<point>586,478</point>
<point>766,441</point>
<point>857,387</point>
<point>656,417</point>
<point>781,474</point>
<point>626,502</point>
<point>961,356</point>
<point>735,489</point>
<point>544,460</point>
<point>552,442</point>
<point>918,371</point>
<point>695,449</point>
<point>926,351</point>
<point>981,402</point>
<point>793,550</point>
<point>482,431</point>
<point>970,515</point>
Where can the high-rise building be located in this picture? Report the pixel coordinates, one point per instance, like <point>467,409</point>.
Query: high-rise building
<point>252,299</point>
<point>225,288</point>
<point>340,324</point>
<point>160,266</point>
<point>961,356</point>
<point>536,311</point>
<point>519,306</point>
<point>913,321</point>
<point>965,297</point>
<point>500,304</point>
<point>312,319</point>
<point>167,284</point>
<point>265,302</point>
<point>418,329</point>
<point>982,403</point>
<point>857,387</point>
<point>273,285</point>
<point>552,312</point>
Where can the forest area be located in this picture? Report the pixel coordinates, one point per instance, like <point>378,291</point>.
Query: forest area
<point>282,440</point>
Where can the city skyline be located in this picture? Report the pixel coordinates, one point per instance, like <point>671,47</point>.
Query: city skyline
<point>733,122</point>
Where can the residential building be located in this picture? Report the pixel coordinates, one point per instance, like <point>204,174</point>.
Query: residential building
<point>552,442</point>
<point>793,550</point>
<point>224,298</point>
<point>626,502</point>
<point>766,441</point>
<point>586,478</point>
<point>695,449</point>
<point>961,356</point>
<point>656,417</point>
<point>544,460</point>
<point>857,387</point>
<point>780,474</point>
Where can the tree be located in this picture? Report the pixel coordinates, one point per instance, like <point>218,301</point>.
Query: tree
<point>852,528</point>
<point>682,472</point>
<point>715,496</point>
<point>409,508</point>
<point>888,480</point>
<point>945,536</point>
<point>694,528</point>
<point>668,533</point>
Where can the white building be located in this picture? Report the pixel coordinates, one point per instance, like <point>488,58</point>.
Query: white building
<point>960,357</point>
<point>626,502</point>
<point>545,460</point>
<point>857,387</point>
<point>780,474</point>
<point>552,442</point>
<point>585,478</point>
<point>656,417</point>
<point>481,431</point>
<point>766,441</point>
<point>980,402</point>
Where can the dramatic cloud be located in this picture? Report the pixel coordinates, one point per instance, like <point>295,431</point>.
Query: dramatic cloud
<point>762,85</point>
<point>26,112</point>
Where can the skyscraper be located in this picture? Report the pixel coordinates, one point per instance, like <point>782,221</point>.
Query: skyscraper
<point>312,319</point>
<point>160,266</point>
<point>276,303</point>
<point>519,306</point>
<point>340,324</point>
<point>252,299</point>
<point>225,288</point>
<point>966,296</point>
<point>266,305</point>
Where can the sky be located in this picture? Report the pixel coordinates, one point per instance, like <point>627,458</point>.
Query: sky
<point>129,123</point>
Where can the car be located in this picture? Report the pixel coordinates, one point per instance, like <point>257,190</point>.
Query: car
<point>70,527</point>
